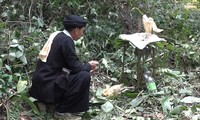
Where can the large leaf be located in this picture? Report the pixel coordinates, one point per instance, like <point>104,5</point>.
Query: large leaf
<point>130,94</point>
<point>166,104</point>
<point>21,86</point>
<point>99,93</point>
<point>14,43</point>
<point>29,102</point>
<point>40,22</point>
<point>95,100</point>
<point>23,59</point>
<point>8,68</point>
<point>22,17</point>
<point>21,47</point>
<point>195,108</point>
<point>11,56</point>
<point>18,54</point>
<point>105,62</point>
<point>178,109</point>
<point>185,91</point>
<point>190,99</point>
<point>137,101</point>
<point>107,107</point>
<point>98,97</point>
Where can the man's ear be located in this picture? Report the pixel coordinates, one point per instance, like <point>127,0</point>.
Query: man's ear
<point>75,30</point>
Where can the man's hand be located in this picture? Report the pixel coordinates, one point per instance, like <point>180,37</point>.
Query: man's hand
<point>94,65</point>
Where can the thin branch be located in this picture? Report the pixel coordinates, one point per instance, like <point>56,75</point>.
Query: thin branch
<point>158,56</point>
<point>140,93</point>
<point>89,4</point>
<point>29,13</point>
<point>138,10</point>
<point>15,22</point>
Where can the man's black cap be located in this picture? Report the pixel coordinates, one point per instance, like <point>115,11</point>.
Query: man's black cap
<point>72,21</point>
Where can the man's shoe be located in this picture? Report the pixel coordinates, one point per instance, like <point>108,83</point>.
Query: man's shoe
<point>66,116</point>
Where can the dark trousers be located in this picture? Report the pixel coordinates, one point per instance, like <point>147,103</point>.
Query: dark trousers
<point>75,98</point>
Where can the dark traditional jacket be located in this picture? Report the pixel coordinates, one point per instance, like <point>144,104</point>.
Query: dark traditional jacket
<point>49,73</point>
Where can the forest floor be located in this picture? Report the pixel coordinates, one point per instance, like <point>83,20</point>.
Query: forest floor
<point>177,98</point>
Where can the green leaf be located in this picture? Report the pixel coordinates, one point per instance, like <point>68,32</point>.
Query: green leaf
<point>11,56</point>
<point>14,11</point>
<point>21,86</point>
<point>99,92</point>
<point>17,34</point>
<point>105,62</point>
<point>19,54</point>
<point>119,118</point>
<point>22,17</point>
<point>1,64</point>
<point>166,104</point>
<point>172,73</point>
<point>2,82</point>
<point>4,14</point>
<point>31,29</point>
<point>23,59</point>
<point>8,68</point>
<point>97,101</point>
<point>2,25</point>
<point>10,78</point>
<point>40,22</point>
<point>107,107</point>
<point>195,108</point>
<point>185,91</point>
<point>14,43</point>
<point>160,45</point>
<point>178,109</point>
<point>130,94</point>
<point>93,11</point>
<point>137,101</point>
<point>32,99</point>
<point>30,103</point>
<point>21,47</point>
<point>17,74</point>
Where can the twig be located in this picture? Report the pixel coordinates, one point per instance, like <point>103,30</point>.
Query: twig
<point>195,71</point>
<point>140,93</point>
<point>29,13</point>
<point>41,9</point>
<point>89,4</point>
<point>137,10</point>
<point>15,22</point>
<point>7,112</point>
<point>160,55</point>
<point>4,102</point>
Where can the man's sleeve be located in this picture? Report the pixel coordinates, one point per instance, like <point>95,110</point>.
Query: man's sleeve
<point>72,61</point>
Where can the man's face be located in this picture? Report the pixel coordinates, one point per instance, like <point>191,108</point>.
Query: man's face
<point>78,33</point>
